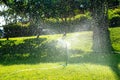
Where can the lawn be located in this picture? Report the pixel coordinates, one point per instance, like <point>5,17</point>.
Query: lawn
<point>55,71</point>
<point>28,58</point>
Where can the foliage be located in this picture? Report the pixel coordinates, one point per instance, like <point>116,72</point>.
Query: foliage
<point>18,29</point>
<point>114,17</point>
<point>50,8</point>
<point>34,11</point>
<point>113,3</point>
<point>115,38</point>
<point>77,23</point>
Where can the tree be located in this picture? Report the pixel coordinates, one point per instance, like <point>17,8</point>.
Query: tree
<point>101,35</point>
<point>38,10</point>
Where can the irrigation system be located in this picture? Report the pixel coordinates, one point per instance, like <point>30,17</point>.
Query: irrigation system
<point>66,49</point>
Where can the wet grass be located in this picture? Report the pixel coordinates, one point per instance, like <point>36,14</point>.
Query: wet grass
<point>28,58</point>
<point>54,71</point>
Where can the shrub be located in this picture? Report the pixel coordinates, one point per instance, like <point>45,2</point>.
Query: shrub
<point>114,17</point>
<point>17,30</point>
<point>115,21</point>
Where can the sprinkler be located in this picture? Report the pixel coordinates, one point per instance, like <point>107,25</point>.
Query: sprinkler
<point>64,35</point>
<point>66,49</point>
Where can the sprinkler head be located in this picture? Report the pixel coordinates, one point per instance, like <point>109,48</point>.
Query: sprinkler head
<point>64,35</point>
<point>64,65</point>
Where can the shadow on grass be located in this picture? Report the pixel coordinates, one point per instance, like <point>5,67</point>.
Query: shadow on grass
<point>24,51</point>
<point>34,51</point>
<point>31,51</point>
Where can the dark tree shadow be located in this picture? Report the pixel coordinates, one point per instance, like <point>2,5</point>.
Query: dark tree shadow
<point>14,52</point>
<point>30,51</point>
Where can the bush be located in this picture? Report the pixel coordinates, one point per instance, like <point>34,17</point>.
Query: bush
<point>115,21</point>
<point>17,30</point>
<point>114,17</point>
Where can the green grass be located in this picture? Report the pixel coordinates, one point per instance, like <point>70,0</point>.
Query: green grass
<point>52,71</point>
<point>28,58</point>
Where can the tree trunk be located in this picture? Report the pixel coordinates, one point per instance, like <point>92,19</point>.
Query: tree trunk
<point>101,40</point>
<point>101,35</point>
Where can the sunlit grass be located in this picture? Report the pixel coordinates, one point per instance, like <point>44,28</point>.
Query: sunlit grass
<point>53,71</point>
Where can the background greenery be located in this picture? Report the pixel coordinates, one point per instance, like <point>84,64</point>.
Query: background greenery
<point>45,57</point>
